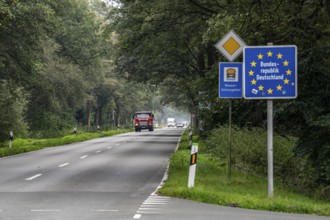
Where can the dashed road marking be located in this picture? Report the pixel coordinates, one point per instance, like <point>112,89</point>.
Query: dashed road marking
<point>33,177</point>
<point>137,216</point>
<point>152,205</point>
<point>105,210</point>
<point>63,165</point>
<point>109,147</point>
<point>148,211</point>
<point>45,210</point>
<point>99,151</point>
<point>83,157</point>
<point>142,208</point>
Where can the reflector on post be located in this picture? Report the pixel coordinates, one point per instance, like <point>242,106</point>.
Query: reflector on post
<point>193,164</point>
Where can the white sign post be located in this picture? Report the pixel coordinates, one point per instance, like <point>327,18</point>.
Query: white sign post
<point>193,164</point>
<point>11,138</point>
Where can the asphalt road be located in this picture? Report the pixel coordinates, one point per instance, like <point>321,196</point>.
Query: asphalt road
<point>106,178</point>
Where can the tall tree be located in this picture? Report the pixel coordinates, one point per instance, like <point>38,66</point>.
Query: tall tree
<point>171,43</point>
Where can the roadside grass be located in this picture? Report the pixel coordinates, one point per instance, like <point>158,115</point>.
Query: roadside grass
<point>243,190</point>
<point>23,145</point>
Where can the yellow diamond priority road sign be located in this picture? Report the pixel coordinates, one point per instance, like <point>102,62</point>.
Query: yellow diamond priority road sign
<point>231,45</point>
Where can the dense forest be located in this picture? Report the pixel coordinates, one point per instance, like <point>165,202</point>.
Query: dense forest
<point>171,43</point>
<point>90,62</point>
<point>57,71</point>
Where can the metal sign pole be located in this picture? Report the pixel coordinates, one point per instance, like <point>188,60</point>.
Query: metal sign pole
<point>230,76</point>
<point>270,145</point>
<point>270,73</point>
<point>230,139</point>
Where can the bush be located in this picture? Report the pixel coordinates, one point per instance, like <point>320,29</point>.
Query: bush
<point>314,143</point>
<point>249,154</point>
<point>13,101</point>
<point>21,145</point>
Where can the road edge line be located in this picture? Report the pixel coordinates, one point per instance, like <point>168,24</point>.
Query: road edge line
<point>162,182</point>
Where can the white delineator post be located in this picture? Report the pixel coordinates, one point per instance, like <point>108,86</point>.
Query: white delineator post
<point>193,164</point>
<point>11,138</point>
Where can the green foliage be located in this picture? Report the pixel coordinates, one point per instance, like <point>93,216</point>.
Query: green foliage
<point>26,145</point>
<point>171,43</point>
<point>249,154</point>
<point>55,57</point>
<point>67,62</point>
<point>6,14</point>
<point>13,101</point>
<point>161,50</point>
<point>244,190</point>
<point>315,144</point>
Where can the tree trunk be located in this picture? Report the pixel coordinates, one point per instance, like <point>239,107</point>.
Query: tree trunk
<point>97,116</point>
<point>88,114</point>
<point>328,7</point>
<point>258,114</point>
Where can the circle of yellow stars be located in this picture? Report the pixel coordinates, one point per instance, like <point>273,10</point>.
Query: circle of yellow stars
<point>279,57</point>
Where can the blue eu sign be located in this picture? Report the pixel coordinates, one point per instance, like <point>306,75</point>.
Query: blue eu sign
<point>230,80</point>
<point>270,72</point>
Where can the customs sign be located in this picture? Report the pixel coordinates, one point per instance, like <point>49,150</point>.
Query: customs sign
<point>270,72</point>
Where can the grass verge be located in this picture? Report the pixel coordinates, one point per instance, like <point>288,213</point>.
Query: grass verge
<point>245,191</point>
<point>22,145</point>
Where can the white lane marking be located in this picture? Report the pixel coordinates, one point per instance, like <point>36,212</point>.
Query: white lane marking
<point>63,165</point>
<point>105,210</point>
<point>157,198</point>
<point>83,157</point>
<point>146,206</point>
<point>33,177</point>
<point>99,151</point>
<point>109,147</point>
<point>118,144</point>
<point>137,216</point>
<point>45,210</point>
<point>154,203</point>
<point>147,212</point>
